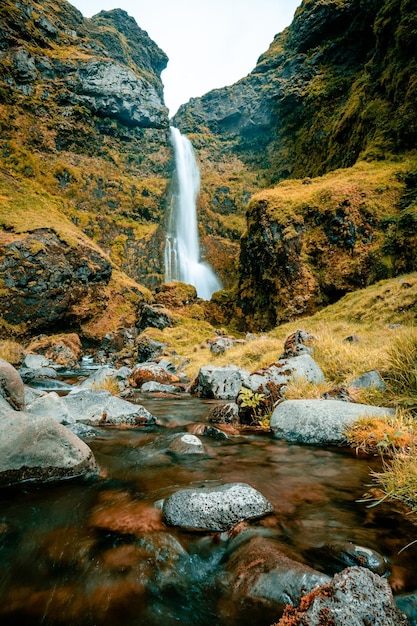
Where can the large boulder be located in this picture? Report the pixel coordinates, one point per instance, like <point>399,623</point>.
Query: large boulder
<point>214,508</point>
<point>222,383</point>
<point>319,421</point>
<point>38,448</point>
<point>101,408</point>
<point>261,579</point>
<point>11,385</point>
<point>354,597</point>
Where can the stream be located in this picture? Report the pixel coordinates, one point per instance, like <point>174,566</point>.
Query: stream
<point>96,553</point>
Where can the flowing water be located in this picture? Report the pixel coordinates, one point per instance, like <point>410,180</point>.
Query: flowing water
<point>182,248</point>
<point>96,553</point>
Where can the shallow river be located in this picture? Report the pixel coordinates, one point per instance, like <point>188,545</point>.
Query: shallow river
<point>95,552</point>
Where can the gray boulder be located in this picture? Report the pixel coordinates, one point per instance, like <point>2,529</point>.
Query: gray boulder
<point>153,387</point>
<point>284,371</point>
<point>38,449</point>
<point>35,361</point>
<point>11,385</point>
<point>51,405</point>
<point>319,421</point>
<point>214,508</point>
<point>369,379</point>
<point>222,383</point>
<point>354,597</point>
<point>101,408</point>
<point>106,375</point>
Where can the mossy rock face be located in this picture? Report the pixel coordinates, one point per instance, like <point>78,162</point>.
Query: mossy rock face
<point>67,133</point>
<point>310,242</point>
<point>48,284</point>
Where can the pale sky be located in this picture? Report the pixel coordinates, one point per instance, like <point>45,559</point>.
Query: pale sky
<point>210,43</point>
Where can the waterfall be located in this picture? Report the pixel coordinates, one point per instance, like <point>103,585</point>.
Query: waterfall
<point>182,248</point>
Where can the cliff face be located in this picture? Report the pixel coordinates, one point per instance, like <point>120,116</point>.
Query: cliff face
<point>82,116</point>
<point>83,150</point>
<point>107,64</point>
<point>335,86</point>
<point>334,89</point>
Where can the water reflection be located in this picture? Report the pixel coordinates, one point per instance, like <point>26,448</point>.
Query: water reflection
<point>98,553</point>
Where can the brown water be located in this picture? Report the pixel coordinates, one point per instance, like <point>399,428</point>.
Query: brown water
<point>95,552</point>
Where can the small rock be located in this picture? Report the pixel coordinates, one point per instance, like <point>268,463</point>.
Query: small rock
<point>222,383</point>
<point>224,414</point>
<point>354,597</point>
<point>367,380</point>
<point>186,444</point>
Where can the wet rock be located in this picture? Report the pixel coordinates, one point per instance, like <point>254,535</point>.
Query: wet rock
<point>319,421</point>
<point>261,578</point>
<point>154,387</point>
<point>337,556</point>
<point>100,408</point>
<point>186,444</point>
<point>38,448</point>
<point>222,383</point>
<point>214,508</point>
<point>224,414</point>
<point>154,316</point>
<point>407,603</point>
<point>145,372</point>
<point>52,405</point>
<point>11,385</point>
<point>369,379</point>
<point>354,597</point>
<point>279,374</point>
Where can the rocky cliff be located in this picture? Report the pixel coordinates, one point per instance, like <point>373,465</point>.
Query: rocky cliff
<point>334,89</point>
<point>82,115</point>
<point>334,86</point>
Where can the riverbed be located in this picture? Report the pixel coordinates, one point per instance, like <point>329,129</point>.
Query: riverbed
<point>95,552</point>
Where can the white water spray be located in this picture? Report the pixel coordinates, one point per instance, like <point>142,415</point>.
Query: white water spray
<point>182,249</point>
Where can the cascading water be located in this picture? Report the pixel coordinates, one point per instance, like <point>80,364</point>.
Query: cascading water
<point>182,249</point>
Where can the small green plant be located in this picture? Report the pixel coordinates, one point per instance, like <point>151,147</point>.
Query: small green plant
<point>253,407</point>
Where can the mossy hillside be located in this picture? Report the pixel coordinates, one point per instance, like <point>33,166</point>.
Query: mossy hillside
<point>112,178</point>
<point>310,241</point>
<point>27,210</point>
